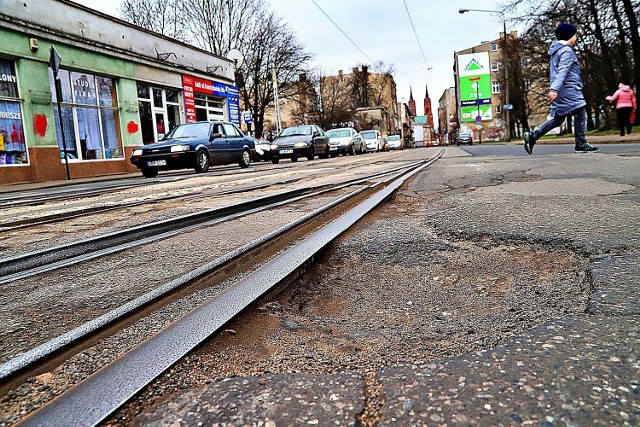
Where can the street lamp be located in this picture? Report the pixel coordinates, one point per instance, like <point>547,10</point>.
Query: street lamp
<point>506,63</point>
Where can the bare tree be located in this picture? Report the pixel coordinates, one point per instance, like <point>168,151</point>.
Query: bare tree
<point>323,100</point>
<point>165,17</point>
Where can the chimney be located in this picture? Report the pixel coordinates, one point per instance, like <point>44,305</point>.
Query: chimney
<point>340,73</point>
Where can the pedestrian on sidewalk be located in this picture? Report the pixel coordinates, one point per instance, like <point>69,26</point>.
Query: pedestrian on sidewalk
<point>565,93</point>
<point>625,101</point>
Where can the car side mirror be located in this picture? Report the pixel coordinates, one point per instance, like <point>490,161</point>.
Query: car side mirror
<point>216,135</point>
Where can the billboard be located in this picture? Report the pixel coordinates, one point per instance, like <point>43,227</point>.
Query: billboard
<point>474,81</point>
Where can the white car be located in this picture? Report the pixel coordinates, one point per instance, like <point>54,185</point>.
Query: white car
<point>394,142</point>
<point>263,149</point>
<point>345,141</point>
<point>373,140</point>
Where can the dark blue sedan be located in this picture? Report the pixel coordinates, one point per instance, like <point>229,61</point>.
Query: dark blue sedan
<point>195,145</point>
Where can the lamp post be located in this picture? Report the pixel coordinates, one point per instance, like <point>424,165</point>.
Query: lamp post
<point>506,64</point>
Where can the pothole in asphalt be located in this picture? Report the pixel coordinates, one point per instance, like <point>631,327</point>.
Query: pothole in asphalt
<point>390,292</point>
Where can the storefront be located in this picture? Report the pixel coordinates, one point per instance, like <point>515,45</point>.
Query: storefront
<point>13,149</point>
<point>207,100</point>
<point>120,89</point>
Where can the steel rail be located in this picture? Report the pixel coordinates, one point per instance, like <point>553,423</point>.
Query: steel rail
<point>95,398</point>
<point>42,261</point>
<point>37,359</point>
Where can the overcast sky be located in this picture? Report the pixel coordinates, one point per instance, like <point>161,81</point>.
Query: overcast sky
<point>381,28</point>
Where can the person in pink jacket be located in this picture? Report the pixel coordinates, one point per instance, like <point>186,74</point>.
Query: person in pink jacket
<point>625,101</point>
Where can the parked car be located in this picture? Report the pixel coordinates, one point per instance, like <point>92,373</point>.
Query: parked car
<point>300,141</point>
<point>394,142</point>
<point>345,141</point>
<point>464,138</point>
<point>373,140</point>
<point>195,145</point>
<point>263,149</point>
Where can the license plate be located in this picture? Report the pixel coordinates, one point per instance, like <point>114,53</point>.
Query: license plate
<point>333,148</point>
<point>157,163</point>
<point>286,151</point>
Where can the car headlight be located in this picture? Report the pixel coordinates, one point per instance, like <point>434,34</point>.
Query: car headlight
<point>137,152</point>
<point>178,148</point>
<point>274,146</point>
<point>301,144</point>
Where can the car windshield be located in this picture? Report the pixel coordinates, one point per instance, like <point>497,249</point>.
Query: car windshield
<point>189,130</point>
<point>393,138</point>
<point>339,133</point>
<point>296,131</point>
<point>368,135</point>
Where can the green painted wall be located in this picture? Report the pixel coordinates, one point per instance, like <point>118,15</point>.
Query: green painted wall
<point>33,79</point>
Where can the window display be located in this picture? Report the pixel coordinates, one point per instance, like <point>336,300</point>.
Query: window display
<point>89,115</point>
<point>13,148</point>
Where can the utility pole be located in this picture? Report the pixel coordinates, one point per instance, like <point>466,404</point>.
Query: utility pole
<point>276,101</point>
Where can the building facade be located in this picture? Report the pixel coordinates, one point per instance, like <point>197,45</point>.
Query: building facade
<point>120,87</point>
<point>479,78</point>
<point>447,114</point>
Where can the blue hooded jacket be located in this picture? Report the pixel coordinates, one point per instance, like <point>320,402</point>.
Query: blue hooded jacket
<point>565,79</point>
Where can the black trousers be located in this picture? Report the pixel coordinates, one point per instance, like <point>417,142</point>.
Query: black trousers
<point>624,114</point>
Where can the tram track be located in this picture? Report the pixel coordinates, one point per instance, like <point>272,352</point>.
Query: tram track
<point>50,218</point>
<point>79,404</point>
<point>38,262</point>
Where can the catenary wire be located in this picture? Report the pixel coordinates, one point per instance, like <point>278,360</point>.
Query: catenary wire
<point>345,34</point>
<point>414,32</point>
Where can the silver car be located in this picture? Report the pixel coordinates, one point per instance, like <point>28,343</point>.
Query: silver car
<point>345,141</point>
<point>373,139</point>
<point>394,142</point>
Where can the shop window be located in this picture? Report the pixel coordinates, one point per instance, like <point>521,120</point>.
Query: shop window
<point>89,116</point>
<point>159,111</point>
<point>209,108</point>
<point>13,148</point>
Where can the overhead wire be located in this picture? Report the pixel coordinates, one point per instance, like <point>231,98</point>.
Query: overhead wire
<point>415,33</point>
<point>345,34</point>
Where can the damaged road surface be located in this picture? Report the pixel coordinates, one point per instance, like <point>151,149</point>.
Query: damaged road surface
<point>489,291</point>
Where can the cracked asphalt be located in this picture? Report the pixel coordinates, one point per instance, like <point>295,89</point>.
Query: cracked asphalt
<point>492,290</point>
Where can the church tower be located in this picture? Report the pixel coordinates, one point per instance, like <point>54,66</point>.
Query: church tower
<point>412,103</point>
<point>427,108</point>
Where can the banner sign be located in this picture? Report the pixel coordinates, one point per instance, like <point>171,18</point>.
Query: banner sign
<point>192,85</point>
<point>474,81</point>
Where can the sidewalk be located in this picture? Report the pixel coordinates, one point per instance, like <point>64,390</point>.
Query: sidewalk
<point>581,369</point>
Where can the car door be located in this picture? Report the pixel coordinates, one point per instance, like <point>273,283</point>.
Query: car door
<point>235,142</point>
<point>321,140</point>
<point>219,147</point>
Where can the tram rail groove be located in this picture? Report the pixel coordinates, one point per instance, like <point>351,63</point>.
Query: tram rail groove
<point>44,356</point>
<point>95,398</point>
<point>42,261</point>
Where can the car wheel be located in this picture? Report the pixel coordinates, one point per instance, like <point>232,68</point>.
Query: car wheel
<point>294,159</point>
<point>312,153</point>
<point>275,160</point>
<point>352,151</point>
<point>245,159</point>
<point>149,173</point>
<point>325,155</point>
<point>202,161</point>
<point>363,149</point>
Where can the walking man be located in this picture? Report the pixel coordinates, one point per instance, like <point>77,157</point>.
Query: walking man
<point>565,93</point>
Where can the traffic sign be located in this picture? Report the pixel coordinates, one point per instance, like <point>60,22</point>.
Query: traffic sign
<point>507,107</point>
<point>247,117</point>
